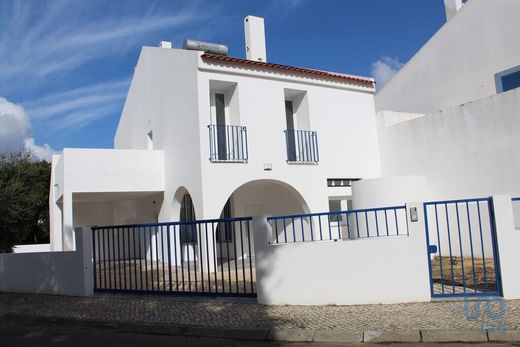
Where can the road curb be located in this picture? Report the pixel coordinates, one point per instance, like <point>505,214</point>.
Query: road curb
<point>447,336</point>
<point>277,334</point>
<point>392,336</point>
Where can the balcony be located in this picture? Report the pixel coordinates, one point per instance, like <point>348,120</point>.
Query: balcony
<point>302,147</point>
<point>228,143</point>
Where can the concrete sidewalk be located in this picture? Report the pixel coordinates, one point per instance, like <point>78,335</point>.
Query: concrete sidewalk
<point>274,334</point>
<point>447,321</point>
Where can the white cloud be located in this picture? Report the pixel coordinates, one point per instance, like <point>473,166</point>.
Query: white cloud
<point>385,69</point>
<point>78,107</point>
<point>15,131</point>
<point>15,126</point>
<point>78,98</point>
<point>44,152</point>
<point>281,9</point>
<point>75,41</point>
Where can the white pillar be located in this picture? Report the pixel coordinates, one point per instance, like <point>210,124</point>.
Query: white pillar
<point>417,232</point>
<point>68,227</point>
<point>55,214</point>
<point>508,242</point>
<point>262,233</point>
<point>84,247</point>
<point>56,226</point>
<point>207,243</point>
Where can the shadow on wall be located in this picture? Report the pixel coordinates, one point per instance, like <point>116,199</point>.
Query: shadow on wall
<point>266,197</point>
<point>44,273</point>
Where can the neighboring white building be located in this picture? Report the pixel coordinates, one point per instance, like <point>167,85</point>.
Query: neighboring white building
<point>207,136</point>
<point>452,113</point>
<point>460,62</point>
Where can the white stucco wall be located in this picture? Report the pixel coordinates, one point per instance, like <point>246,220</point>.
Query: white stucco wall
<point>112,170</point>
<point>389,191</point>
<point>466,151</point>
<point>60,273</point>
<point>364,271</point>
<point>163,99</point>
<point>458,64</point>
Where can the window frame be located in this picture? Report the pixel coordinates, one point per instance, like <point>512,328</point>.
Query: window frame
<point>499,76</point>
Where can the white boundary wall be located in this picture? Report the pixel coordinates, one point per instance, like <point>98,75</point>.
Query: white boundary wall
<point>62,273</point>
<point>369,271</point>
<point>375,270</point>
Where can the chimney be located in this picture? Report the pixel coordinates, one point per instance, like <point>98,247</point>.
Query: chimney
<point>452,7</point>
<point>165,44</point>
<point>255,38</point>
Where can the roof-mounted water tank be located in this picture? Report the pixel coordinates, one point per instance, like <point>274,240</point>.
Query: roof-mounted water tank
<point>207,47</point>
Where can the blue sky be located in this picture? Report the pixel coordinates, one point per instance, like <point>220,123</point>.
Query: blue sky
<point>65,66</point>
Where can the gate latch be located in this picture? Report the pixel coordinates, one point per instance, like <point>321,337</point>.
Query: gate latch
<point>432,249</point>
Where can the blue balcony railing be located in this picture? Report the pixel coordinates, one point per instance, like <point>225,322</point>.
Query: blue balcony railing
<point>302,146</point>
<point>228,143</point>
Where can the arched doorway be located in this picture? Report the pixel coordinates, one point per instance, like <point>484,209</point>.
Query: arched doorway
<point>188,235</point>
<point>254,198</point>
<point>187,214</point>
<point>264,197</point>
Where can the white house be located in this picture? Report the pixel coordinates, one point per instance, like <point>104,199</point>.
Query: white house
<point>205,135</point>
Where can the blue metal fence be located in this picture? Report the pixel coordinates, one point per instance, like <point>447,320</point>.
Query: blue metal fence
<point>228,143</point>
<point>341,225</point>
<point>302,146</point>
<point>461,246</point>
<point>154,258</point>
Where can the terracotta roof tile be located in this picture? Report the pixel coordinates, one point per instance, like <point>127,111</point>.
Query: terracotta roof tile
<point>334,75</point>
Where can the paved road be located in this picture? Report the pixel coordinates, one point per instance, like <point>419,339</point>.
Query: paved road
<point>448,315</point>
<point>16,333</point>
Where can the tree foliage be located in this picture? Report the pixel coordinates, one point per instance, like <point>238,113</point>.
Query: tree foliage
<point>24,200</point>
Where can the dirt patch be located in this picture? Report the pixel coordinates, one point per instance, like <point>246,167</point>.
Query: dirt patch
<point>476,274</point>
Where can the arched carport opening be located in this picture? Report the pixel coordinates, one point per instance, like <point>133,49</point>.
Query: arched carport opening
<point>254,198</point>
<point>264,197</point>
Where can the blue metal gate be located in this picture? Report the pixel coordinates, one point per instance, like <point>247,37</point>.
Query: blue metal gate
<point>206,257</point>
<point>461,246</point>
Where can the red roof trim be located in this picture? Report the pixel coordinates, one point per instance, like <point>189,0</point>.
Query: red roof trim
<point>334,75</point>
